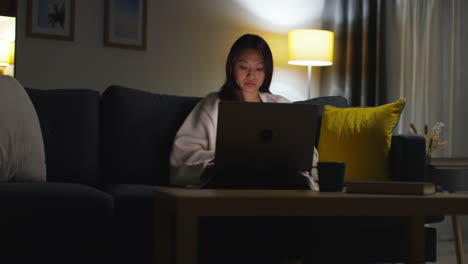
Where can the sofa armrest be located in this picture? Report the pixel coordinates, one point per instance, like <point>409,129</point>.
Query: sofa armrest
<point>408,157</point>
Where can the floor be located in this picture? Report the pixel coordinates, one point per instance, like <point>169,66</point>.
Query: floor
<point>446,252</point>
<point>445,244</point>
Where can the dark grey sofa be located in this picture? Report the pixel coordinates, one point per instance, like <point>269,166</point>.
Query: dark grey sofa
<point>65,220</point>
<point>105,153</point>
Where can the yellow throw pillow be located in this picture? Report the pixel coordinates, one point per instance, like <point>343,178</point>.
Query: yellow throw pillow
<point>361,137</point>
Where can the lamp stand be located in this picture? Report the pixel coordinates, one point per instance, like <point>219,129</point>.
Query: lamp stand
<point>309,79</point>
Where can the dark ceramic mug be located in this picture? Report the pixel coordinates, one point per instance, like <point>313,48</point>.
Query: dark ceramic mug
<point>331,176</point>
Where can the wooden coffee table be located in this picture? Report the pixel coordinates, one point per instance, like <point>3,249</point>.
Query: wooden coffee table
<point>178,209</point>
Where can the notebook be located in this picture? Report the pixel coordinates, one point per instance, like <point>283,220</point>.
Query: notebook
<point>265,136</point>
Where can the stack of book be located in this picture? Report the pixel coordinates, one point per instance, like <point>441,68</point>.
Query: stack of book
<point>391,187</point>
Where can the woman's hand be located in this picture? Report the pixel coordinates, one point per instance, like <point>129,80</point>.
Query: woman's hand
<point>210,164</point>
<point>207,173</point>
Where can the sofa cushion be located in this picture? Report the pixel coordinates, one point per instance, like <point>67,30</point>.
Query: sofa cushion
<point>53,199</point>
<point>69,121</point>
<point>361,137</point>
<point>54,223</point>
<point>137,133</point>
<point>22,156</point>
<point>337,101</point>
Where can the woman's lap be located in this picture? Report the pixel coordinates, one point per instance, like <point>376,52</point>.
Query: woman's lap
<point>245,179</point>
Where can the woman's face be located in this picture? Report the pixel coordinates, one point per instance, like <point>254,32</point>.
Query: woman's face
<point>249,71</point>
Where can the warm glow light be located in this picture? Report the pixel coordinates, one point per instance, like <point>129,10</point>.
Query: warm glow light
<point>7,51</point>
<point>7,28</point>
<point>310,47</point>
<point>280,16</point>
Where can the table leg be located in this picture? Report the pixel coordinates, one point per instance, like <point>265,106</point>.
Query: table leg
<point>416,240</point>
<point>186,247</point>
<point>458,238</point>
<point>162,235</point>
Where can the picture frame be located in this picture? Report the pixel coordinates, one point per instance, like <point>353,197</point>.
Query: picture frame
<point>125,24</point>
<point>52,19</point>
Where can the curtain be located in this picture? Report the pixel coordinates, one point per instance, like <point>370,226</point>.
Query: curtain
<point>426,65</point>
<point>355,73</point>
<point>391,49</point>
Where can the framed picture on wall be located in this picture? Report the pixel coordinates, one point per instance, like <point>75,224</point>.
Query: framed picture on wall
<point>125,24</point>
<point>53,19</point>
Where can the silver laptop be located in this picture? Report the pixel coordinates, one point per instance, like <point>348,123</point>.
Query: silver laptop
<point>265,136</point>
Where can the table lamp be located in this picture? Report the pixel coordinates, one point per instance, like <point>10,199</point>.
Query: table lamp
<point>7,54</point>
<point>310,47</point>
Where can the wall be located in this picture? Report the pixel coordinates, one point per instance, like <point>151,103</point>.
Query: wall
<point>187,45</point>
<point>8,8</point>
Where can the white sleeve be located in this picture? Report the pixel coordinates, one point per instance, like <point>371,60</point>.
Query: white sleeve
<point>313,180</point>
<point>314,164</point>
<point>192,148</point>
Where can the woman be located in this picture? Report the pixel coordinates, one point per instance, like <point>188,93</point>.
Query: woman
<point>249,69</point>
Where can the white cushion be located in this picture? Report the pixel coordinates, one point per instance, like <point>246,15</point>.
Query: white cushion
<point>22,156</point>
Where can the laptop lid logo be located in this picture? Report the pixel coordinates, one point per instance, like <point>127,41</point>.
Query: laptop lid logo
<point>266,135</point>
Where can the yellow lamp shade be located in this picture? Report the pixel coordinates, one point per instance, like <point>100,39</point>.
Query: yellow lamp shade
<point>310,47</point>
<point>7,53</point>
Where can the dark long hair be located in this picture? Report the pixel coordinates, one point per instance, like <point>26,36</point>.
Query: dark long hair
<point>230,91</point>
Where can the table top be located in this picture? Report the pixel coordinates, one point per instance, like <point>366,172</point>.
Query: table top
<point>181,193</point>
<point>306,202</point>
